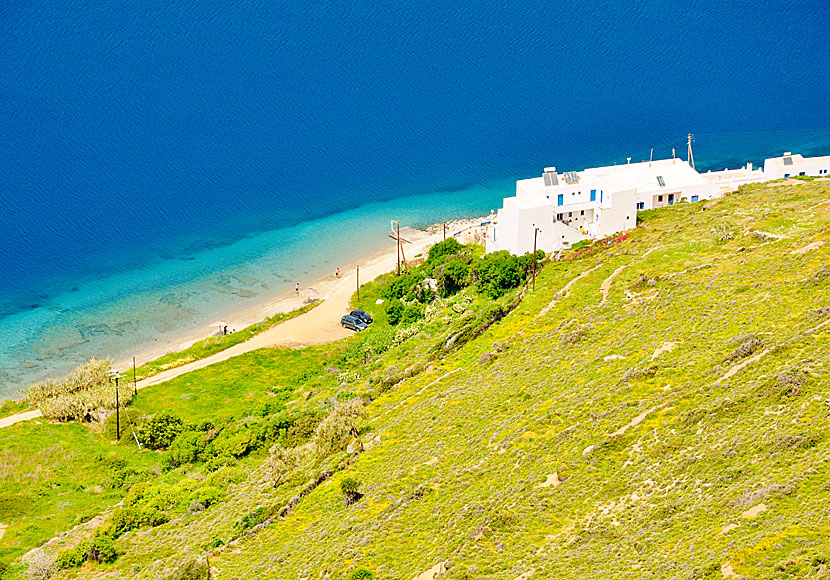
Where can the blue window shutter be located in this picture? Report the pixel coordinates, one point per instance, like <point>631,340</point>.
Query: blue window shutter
<point>593,195</point>
<point>560,199</point>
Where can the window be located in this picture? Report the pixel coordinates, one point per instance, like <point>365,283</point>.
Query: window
<point>659,198</point>
<point>694,198</point>
<point>593,195</point>
<point>786,175</point>
<point>560,199</point>
<point>559,216</point>
<point>570,214</point>
<point>582,212</point>
<point>600,196</point>
<point>641,205</point>
<point>802,173</point>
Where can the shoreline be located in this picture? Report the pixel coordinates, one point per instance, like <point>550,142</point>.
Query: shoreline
<point>320,288</point>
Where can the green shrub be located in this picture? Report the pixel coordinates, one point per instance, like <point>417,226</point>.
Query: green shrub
<point>394,311</point>
<point>401,286</point>
<point>191,570</point>
<point>412,314</point>
<point>159,431</point>
<point>453,276</point>
<point>187,447</point>
<point>361,573</point>
<point>233,442</point>
<point>349,487</point>
<point>128,419</point>
<point>102,550</point>
<point>73,557</point>
<point>498,272</point>
<point>301,429</point>
<point>439,253</point>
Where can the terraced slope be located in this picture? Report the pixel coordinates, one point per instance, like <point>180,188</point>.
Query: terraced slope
<point>656,409</point>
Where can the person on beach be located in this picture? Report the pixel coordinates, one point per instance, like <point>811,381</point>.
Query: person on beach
<point>337,273</point>
<point>297,289</point>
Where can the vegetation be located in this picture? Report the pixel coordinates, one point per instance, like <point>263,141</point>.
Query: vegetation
<point>657,408</point>
<point>210,346</point>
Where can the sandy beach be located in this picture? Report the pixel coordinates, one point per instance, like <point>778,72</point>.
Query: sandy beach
<point>322,324</point>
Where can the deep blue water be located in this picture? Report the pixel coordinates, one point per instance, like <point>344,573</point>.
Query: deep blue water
<point>147,145</point>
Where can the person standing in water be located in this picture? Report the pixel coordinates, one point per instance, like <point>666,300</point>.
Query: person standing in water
<point>297,289</point>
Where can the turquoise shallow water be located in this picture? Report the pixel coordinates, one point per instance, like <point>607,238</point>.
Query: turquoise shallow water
<point>120,314</point>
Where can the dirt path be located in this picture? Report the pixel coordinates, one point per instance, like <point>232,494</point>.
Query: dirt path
<point>605,288</point>
<point>566,290</point>
<point>12,419</point>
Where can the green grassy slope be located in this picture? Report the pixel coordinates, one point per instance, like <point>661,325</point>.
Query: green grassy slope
<point>656,409</point>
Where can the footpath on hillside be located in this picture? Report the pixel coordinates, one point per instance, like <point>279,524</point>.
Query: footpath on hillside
<point>321,325</point>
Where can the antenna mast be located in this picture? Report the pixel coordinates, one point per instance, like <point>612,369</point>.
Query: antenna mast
<point>690,157</point>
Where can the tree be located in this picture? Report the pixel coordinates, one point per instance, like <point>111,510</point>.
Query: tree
<point>394,311</point>
<point>160,430</point>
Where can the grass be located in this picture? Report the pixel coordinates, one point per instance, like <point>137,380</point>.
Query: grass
<point>459,447</point>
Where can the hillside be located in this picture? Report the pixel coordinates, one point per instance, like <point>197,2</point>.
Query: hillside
<point>657,408</point>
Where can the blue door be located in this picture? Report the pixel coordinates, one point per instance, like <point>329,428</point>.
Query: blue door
<point>671,199</point>
<point>560,199</point>
<point>694,198</point>
<point>593,195</point>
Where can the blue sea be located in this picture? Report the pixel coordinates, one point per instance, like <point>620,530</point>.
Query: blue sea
<point>165,163</point>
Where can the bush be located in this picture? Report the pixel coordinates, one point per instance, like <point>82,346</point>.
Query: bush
<point>453,276</point>
<point>160,430</point>
<point>88,376</point>
<point>412,314</point>
<point>102,550</point>
<point>191,570</point>
<point>128,420</point>
<point>439,253</point>
<point>283,462</point>
<point>3,569</point>
<point>499,272</point>
<point>334,431</point>
<point>187,447</point>
<point>41,565</point>
<point>361,573</point>
<point>349,487</point>
<point>394,311</point>
<point>302,429</point>
<point>401,286</point>
<point>72,557</point>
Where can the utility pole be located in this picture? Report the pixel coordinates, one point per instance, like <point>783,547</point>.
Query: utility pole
<point>207,559</point>
<point>535,232</point>
<point>357,276</point>
<point>135,383</point>
<point>690,157</point>
<point>445,231</point>
<point>399,246</point>
<point>117,416</point>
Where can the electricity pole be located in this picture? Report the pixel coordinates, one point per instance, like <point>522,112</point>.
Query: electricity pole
<point>357,276</point>
<point>399,247</point>
<point>690,157</point>
<point>135,384</point>
<point>445,231</point>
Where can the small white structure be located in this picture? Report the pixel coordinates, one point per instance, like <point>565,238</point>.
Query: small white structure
<point>563,208</point>
<point>790,165</point>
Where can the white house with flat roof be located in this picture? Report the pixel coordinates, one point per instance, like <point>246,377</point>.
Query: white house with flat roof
<point>600,201</point>
<point>790,165</point>
<point>594,203</point>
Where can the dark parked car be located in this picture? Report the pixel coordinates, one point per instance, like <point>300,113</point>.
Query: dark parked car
<point>361,315</point>
<point>353,323</point>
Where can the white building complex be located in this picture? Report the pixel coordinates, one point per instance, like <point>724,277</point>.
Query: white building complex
<point>600,201</point>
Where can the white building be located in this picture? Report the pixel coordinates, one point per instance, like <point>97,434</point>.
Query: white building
<point>594,203</point>
<point>600,201</point>
<point>791,165</point>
